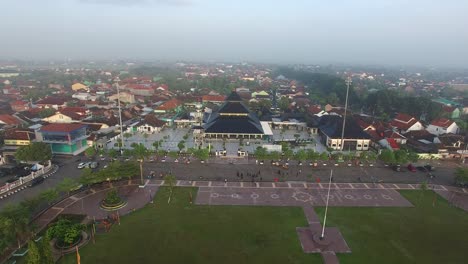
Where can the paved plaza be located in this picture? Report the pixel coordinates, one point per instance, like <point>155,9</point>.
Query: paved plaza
<point>300,197</point>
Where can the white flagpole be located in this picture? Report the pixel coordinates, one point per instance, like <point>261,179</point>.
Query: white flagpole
<point>326,206</point>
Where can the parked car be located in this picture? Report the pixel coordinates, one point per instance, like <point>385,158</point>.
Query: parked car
<point>396,168</point>
<point>36,181</point>
<point>81,165</point>
<point>429,167</point>
<point>411,168</point>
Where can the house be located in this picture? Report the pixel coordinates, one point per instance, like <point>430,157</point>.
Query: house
<point>18,137</point>
<point>354,138</point>
<point>150,124</point>
<point>170,105</point>
<point>443,126</point>
<point>404,123</point>
<point>63,117</point>
<point>124,97</point>
<point>19,106</point>
<point>79,87</point>
<point>51,102</point>
<point>452,112</point>
<point>217,99</point>
<point>68,139</point>
<point>452,142</point>
<point>9,120</point>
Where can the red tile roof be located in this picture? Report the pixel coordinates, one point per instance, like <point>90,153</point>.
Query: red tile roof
<point>314,109</point>
<point>213,98</point>
<point>393,143</point>
<point>9,120</point>
<point>442,122</point>
<point>61,127</point>
<point>78,110</point>
<point>17,134</point>
<point>403,121</point>
<point>169,105</point>
<point>51,101</point>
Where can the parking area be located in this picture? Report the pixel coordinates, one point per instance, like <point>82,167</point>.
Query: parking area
<point>300,197</point>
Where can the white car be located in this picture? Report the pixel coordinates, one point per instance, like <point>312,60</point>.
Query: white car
<point>81,165</point>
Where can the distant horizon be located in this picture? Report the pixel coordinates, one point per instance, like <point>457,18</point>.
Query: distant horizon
<point>365,32</point>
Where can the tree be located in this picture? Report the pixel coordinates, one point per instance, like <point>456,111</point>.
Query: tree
<point>140,152</point>
<point>461,176</point>
<point>181,145</point>
<point>66,185</point>
<point>312,155</point>
<point>112,153</point>
<point>65,231</point>
<point>157,144</point>
<point>36,151</point>
<point>323,156</point>
<point>283,104</point>
<point>413,156</point>
<point>7,236</point>
<point>90,152</point>
<point>49,195</point>
<point>401,156</point>
<point>300,155</point>
<point>19,216</point>
<point>34,255</point>
<point>47,112</point>
<point>387,156</point>
<point>46,251</point>
<point>261,153</point>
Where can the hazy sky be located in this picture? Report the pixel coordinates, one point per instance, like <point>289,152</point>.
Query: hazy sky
<point>414,32</point>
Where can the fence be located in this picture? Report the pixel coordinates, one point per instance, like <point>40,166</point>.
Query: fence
<point>23,180</point>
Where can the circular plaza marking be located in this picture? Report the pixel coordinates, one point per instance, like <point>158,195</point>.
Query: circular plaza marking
<point>367,196</point>
<point>302,196</point>
<point>386,197</point>
<point>214,195</point>
<point>235,195</point>
<point>349,196</point>
<point>274,196</point>
<point>254,195</point>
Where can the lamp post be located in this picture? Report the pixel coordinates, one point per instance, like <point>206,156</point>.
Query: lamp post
<point>348,82</point>
<point>326,206</point>
<point>120,120</point>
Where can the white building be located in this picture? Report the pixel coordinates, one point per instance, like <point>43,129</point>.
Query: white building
<point>443,126</point>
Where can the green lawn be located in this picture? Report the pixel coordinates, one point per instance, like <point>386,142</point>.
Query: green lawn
<point>184,233</point>
<point>423,234</point>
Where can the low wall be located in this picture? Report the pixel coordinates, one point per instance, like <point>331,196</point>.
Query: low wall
<point>23,180</point>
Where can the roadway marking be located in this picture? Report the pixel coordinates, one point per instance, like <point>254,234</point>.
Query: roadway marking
<point>209,184</point>
<point>321,187</point>
<point>443,187</point>
<point>257,184</point>
<point>289,185</point>
<point>396,186</point>
<point>194,183</point>
<point>351,185</point>
<point>366,185</point>
<point>242,185</point>
<point>464,190</point>
<point>274,185</point>
<point>305,185</point>
<point>178,183</point>
<point>412,187</point>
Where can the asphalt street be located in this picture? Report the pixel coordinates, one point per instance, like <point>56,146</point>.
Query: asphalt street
<point>242,170</point>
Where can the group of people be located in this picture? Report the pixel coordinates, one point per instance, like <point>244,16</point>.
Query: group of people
<point>252,175</point>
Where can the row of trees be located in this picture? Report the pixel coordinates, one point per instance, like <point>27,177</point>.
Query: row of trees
<point>400,156</point>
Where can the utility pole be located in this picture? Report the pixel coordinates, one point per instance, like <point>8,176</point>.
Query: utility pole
<point>120,119</point>
<point>326,206</point>
<point>348,82</point>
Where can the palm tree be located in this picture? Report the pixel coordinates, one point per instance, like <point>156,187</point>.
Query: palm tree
<point>140,152</point>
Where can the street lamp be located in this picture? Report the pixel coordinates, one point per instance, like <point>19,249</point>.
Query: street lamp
<point>348,82</point>
<point>326,206</point>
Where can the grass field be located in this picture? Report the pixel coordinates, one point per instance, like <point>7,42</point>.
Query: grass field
<point>423,234</point>
<point>184,233</point>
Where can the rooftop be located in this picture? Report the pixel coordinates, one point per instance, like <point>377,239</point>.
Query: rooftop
<point>62,127</point>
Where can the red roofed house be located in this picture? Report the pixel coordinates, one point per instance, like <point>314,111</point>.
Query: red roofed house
<point>168,106</point>
<point>69,139</point>
<point>405,123</point>
<point>19,106</point>
<point>443,126</point>
<point>150,124</point>
<point>9,120</point>
<point>51,102</point>
<point>213,98</point>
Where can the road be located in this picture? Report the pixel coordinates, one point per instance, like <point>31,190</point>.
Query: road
<point>223,169</point>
